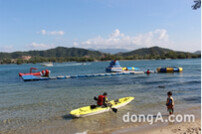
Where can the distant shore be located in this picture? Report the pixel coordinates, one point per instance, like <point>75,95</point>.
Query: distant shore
<point>87,60</point>
<point>62,54</point>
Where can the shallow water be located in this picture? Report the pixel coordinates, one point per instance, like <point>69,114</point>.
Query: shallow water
<point>45,104</point>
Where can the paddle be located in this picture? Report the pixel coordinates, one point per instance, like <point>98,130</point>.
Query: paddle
<point>113,109</point>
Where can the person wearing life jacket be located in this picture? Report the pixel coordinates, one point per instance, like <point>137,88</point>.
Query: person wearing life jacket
<point>47,73</point>
<point>126,69</point>
<point>170,103</point>
<point>102,100</point>
<point>43,72</point>
<point>148,71</point>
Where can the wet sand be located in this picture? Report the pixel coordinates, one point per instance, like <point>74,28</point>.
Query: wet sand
<point>181,128</point>
<point>59,127</point>
<point>162,128</point>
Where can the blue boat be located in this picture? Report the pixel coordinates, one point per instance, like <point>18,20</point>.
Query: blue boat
<point>114,66</point>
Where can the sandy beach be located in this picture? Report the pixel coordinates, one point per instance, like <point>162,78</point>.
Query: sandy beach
<point>181,128</point>
<point>137,128</point>
<point>163,128</point>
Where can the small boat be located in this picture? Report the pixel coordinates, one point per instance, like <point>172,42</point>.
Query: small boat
<point>87,111</point>
<point>48,64</point>
<point>114,66</point>
<point>43,75</point>
<point>169,69</point>
<point>30,73</point>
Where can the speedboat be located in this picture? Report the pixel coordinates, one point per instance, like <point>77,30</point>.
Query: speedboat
<point>48,64</point>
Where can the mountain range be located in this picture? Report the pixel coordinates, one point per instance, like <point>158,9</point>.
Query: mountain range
<point>113,51</point>
<point>55,52</point>
<point>197,52</point>
<point>79,54</point>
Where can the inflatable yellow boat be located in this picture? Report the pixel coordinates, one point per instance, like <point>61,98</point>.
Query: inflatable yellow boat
<point>169,69</point>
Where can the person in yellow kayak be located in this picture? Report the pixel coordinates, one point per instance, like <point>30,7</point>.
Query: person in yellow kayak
<point>102,100</point>
<point>170,103</point>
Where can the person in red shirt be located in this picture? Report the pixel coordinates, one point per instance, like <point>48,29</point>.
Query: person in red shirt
<point>102,100</point>
<point>148,71</point>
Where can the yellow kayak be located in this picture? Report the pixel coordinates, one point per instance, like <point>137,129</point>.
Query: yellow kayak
<point>86,111</point>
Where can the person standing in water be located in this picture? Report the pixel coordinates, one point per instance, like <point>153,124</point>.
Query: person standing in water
<point>170,103</point>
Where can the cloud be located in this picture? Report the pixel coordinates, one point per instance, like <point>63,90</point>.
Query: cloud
<point>118,40</point>
<point>7,48</point>
<point>40,46</point>
<point>44,32</point>
<point>57,33</point>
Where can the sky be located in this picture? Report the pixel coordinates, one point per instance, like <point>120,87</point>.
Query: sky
<point>99,24</point>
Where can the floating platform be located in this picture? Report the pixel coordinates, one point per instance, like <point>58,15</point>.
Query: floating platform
<point>169,69</point>
<point>36,78</point>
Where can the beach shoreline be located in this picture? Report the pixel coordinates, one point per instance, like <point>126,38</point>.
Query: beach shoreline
<point>181,128</point>
<point>131,128</point>
<point>163,128</point>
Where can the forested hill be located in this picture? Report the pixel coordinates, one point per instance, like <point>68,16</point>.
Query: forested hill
<point>157,52</point>
<point>62,54</point>
<point>56,52</point>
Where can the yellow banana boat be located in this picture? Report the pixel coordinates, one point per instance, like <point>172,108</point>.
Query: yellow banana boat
<point>86,111</point>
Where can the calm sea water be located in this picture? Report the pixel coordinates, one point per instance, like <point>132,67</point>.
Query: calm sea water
<point>45,105</point>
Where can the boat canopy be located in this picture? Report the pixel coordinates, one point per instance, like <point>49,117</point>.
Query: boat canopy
<point>114,63</point>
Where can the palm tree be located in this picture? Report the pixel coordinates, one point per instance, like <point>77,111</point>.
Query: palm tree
<point>197,4</point>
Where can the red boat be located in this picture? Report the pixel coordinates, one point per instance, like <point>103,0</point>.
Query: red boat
<point>42,73</point>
